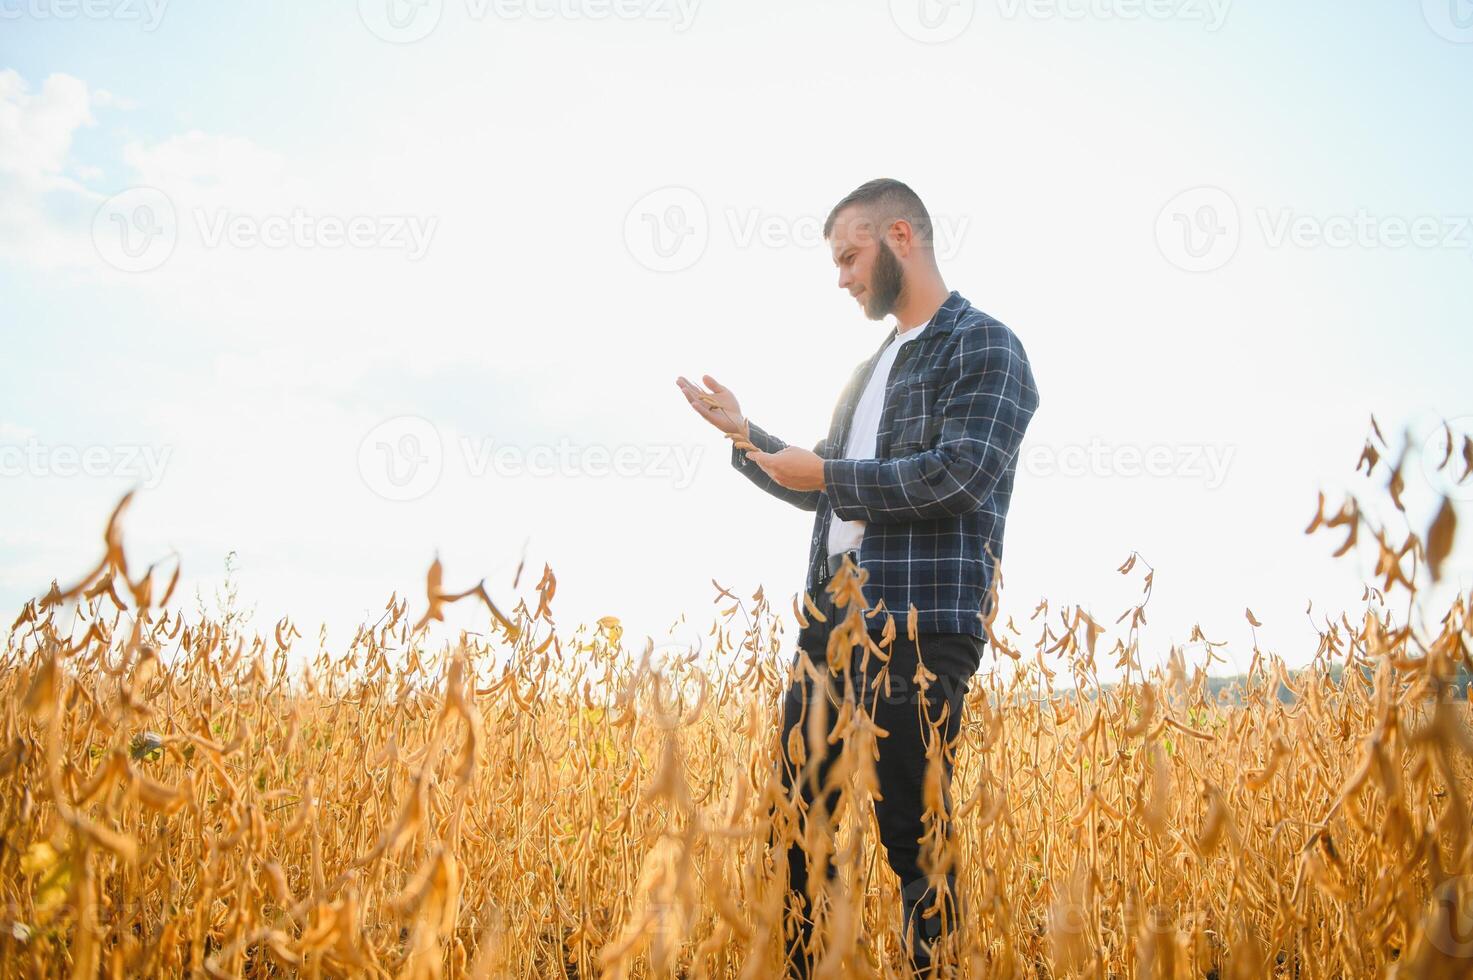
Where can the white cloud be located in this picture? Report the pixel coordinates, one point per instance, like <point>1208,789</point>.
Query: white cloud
<point>104,99</point>
<point>46,207</point>
<point>201,169</point>
<point>39,204</point>
<point>36,128</point>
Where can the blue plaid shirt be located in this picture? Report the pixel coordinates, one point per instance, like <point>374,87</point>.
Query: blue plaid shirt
<point>935,499</point>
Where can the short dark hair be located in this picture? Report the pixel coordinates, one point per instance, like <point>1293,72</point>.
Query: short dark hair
<point>889,200</point>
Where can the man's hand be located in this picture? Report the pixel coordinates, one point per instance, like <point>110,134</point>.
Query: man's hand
<point>717,406</point>
<point>793,468</point>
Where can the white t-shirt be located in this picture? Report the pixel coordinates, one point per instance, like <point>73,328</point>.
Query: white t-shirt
<point>864,433</point>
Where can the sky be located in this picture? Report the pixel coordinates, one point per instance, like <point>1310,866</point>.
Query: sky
<point>343,287</point>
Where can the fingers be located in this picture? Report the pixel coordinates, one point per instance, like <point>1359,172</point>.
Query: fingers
<point>704,404</point>
<point>768,465</point>
<point>713,384</point>
<point>693,394</point>
<point>692,391</point>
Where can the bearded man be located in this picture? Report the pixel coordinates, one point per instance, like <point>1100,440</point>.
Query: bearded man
<point>911,487</point>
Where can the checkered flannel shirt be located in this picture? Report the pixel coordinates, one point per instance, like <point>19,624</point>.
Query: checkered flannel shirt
<point>935,498</point>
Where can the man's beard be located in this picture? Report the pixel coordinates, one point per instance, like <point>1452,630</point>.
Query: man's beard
<point>886,283</point>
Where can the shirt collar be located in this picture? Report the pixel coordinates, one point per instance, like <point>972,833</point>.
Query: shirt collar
<point>911,334</point>
<point>942,322</point>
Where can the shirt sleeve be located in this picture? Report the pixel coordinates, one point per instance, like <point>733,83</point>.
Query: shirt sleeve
<point>769,443</point>
<point>986,400</point>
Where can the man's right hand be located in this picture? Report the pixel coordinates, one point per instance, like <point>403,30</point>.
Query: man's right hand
<point>717,406</point>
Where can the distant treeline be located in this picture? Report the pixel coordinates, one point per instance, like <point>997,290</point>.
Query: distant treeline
<point>1229,690</point>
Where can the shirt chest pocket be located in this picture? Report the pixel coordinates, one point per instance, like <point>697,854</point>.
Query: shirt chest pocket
<point>912,422</point>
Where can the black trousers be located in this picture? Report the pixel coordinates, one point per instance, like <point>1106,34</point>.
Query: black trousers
<point>907,714</point>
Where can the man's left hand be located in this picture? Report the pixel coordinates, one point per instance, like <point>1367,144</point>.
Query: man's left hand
<point>793,468</point>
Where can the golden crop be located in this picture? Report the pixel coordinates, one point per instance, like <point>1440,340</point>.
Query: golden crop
<point>179,796</point>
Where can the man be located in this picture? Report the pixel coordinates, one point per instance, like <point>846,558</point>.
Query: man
<point>912,486</point>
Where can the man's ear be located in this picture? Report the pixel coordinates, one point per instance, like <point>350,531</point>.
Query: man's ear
<point>901,237</point>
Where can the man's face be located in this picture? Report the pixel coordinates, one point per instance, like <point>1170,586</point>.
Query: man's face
<point>869,269</point>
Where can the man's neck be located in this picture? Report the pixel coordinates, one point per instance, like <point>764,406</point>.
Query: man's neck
<point>918,305</point>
